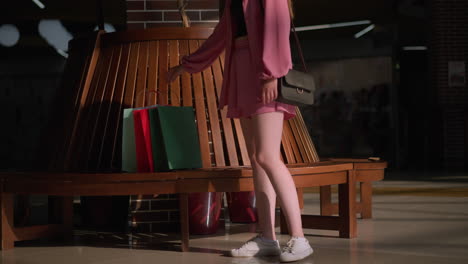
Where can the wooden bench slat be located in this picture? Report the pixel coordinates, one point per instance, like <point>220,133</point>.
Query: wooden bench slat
<point>308,139</point>
<point>174,61</point>
<point>226,123</point>
<point>91,189</point>
<point>369,175</point>
<point>126,81</point>
<point>153,67</point>
<point>97,177</point>
<point>299,140</point>
<point>243,157</point>
<point>186,79</point>
<point>103,113</point>
<point>112,133</point>
<point>130,97</point>
<point>295,154</point>
<point>163,68</point>
<point>84,120</point>
<point>362,163</point>
<point>201,173</point>
<point>311,153</point>
<point>127,186</point>
<point>213,115</point>
<point>286,145</point>
<point>294,169</point>
<point>242,147</point>
<point>142,72</point>
<point>320,179</point>
<point>163,33</point>
<point>94,117</point>
<point>200,112</point>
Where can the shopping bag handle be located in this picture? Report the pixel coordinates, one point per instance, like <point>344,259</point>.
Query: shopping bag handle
<point>151,91</point>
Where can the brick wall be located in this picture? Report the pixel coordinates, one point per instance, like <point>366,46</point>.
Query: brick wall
<point>449,42</point>
<point>160,213</point>
<point>164,13</point>
<point>154,214</point>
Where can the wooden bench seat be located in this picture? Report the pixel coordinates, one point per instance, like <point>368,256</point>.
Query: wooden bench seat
<point>181,182</point>
<point>81,149</point>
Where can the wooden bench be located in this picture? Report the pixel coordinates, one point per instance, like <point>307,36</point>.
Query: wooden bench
<point>81,151</point>
<point>367,171</point>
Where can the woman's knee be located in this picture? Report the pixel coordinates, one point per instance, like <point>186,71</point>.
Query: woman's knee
<point>253,159</point>
<point>267,159</point>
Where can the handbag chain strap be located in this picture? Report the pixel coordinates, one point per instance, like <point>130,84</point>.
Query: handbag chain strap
<point>295,36</point>
<point>298,45</point>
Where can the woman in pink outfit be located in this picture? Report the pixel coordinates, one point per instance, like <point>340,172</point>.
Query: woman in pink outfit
<point>255,36</point>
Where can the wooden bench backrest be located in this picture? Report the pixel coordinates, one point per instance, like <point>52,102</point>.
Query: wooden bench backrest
<point>113,71</point>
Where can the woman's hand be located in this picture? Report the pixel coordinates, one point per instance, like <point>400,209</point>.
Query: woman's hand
<point>269,90</point>
<point>174,72</point>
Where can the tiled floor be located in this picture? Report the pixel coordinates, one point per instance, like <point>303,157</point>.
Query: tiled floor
<point>409,226</point>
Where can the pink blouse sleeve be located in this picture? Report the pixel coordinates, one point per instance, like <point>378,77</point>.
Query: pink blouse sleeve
<point>276,54</point>
<point>205,55</point>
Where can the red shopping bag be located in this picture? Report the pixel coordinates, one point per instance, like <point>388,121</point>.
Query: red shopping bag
<point>142,130</point>
<point>242,207</point>
<point>143,148</point>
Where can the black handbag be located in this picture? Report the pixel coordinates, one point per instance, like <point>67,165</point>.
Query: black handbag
<point>296,87</point>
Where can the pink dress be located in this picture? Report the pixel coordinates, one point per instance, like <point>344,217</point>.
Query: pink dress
<point>268,54</point>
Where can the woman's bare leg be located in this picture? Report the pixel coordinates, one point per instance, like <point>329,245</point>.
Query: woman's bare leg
<point>267,130</point>
<point>264,192</point>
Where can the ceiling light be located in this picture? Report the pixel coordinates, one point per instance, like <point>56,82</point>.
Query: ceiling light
<point>53,31</point>
<point>63,53</point>
<point>107,27</point>
<point>415,48</point>
<point>39,4</point>
<point>334,25</point>
<point>364,31</point>
<point>9,35</point>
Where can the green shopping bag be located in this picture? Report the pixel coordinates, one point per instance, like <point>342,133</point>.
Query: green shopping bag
<point>129,163</point>
<point>174,138</point>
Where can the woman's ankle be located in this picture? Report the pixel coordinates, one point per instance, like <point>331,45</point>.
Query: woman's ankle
<point>297,235</point>
<point>267,237</point>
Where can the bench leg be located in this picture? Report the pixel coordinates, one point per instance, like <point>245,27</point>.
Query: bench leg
<point>6,221</point>
<point>24,206</point>
<point>184,221</point>
<point>300,197</point>
<point>67,217</point>
<point>363,207</point>
<point>61,212</point>
<point>347,206</point>
<point>326,206</point>
<point>366,200</point>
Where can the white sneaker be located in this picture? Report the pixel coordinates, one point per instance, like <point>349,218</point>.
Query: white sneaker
<point>257,247</point>
<point>296,248</point>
